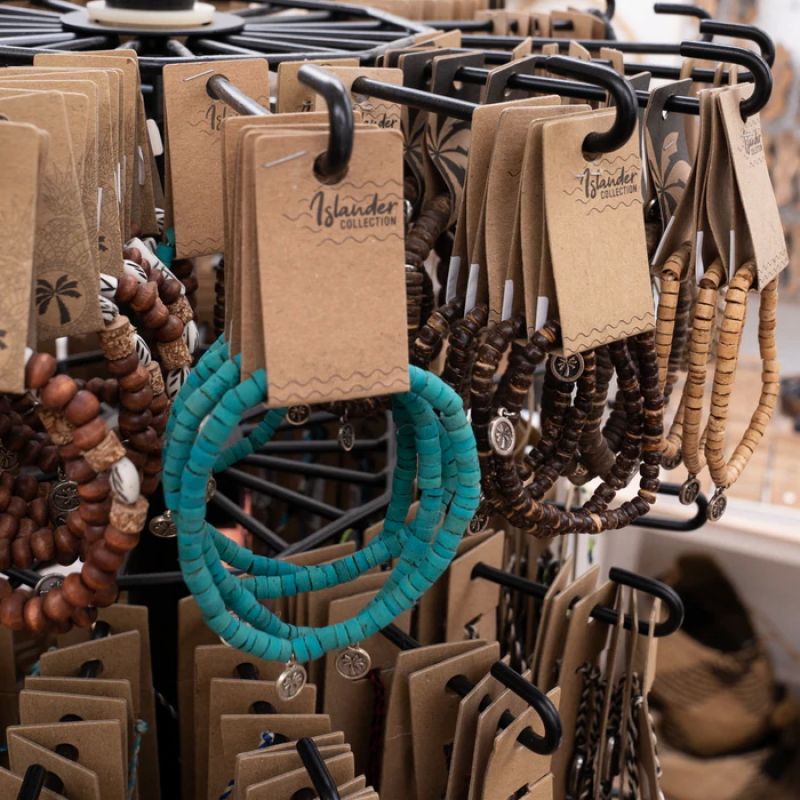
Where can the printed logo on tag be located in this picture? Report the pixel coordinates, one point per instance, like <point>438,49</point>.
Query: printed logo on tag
<point>606,181</point>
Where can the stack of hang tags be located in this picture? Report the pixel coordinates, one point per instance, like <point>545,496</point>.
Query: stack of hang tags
<point>87,712</point>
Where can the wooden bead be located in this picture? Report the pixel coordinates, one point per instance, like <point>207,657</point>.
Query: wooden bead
<point>156,317</point>
<point>119,541</point>
<point>103,598</point>
<point>182,309</point>
<point>8,526</point>
<point>132,422</point>
<point>133,254</point>
<point>5,554</point>
<point>95,513</point>
<point>5,497</point>
<point>12,610</point>
<point>111,392</point>
<point>145,297</point>
<point>95,490</point>
<point>91,434</point>
<point>126,289</point>
<point>58,392</point>
<point>83,409</point>
<point>106,559</point>
<point>129,518</point>
<point>26,487</point>
<point>123,366</point>
<point>41,367</point>
<point>95,578</point>
<point>94,533</point>
<point>35,619</point>
<point>75,523</point>
<point>56,606</point>
<point>150,484</point>
<point>67,546</point>
<point>78,595</point>
<point>117,339</point>
<point>156,378</point>
<point>58,428</point>
<point>104,455</point>
<point>171,330</point>
<point>43,545</point>
<point>159,404</point>
<point>5,589</point>
<point>174,354</point>
<point>169,292</point>
<point>21,553</point>
<point>146,441</point>
<point>136,380</point>
<point>38,511</point>
<point>138,459</point>
<point>26,527</point>
<point>84,617</point>
<point>137,401</point>
<point>17,507</point>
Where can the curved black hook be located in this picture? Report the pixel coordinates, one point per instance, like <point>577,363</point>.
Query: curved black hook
<point>324,784</point>
<point>739,30</point>
<point>620,90</point>
<point>687,10</point>
<point>32,783</point>
<point>668,596</point>
<point>540,703</point>
<point>683,525</point>
<point>332,165</point>
<point>762,75</point>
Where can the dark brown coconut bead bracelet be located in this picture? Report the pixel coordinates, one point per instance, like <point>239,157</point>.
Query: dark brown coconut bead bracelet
<point>430,339</point>
<point>462,347</point>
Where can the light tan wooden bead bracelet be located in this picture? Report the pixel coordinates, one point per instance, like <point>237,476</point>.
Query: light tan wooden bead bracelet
<point>670,287</point>
<point>693,442</point>
<point>725,473</point>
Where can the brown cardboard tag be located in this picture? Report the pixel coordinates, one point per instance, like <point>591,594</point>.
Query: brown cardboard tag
<point>86,687</point>
<point>767,244</point>
<point>558,584</point>
<point>543,790</point>
<point>601,197</point>
<point>434,712</point>
<point>375,112</point>
<point>337,249</point>
<point>11,784</point>
<point>194,127</point>
<point>23,149</point>
<point>396,781</point>
<point>79,782</point>
<point>66,273</point>
<point>287,785</point>
<point>294,96</point>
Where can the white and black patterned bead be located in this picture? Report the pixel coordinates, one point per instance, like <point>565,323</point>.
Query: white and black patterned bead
<point>142,350</point>
<point>132,268</point>
<point>108,310</point>
<point>160,220</point>
<point>125,482</point>
<point>175,380</point>
<point>108,286</point>
<point>191,335</point>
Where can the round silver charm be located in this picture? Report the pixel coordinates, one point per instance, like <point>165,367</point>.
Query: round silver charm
<point>502,436</point>
<point>292,680</point>
<point>8,459</point>
<point>48,583</point>
<point>353,663</point>
<point>63,499</point>
<point>211,488</point>
<point>689,490</point>
<point>567,368</point>
<point>163,526</point>
<point>480,520</point>
<point>717,506</point>
<point>347,437</point>
<point>298,415</point>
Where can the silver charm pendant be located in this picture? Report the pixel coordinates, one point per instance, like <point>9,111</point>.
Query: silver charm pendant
<point>298,415</point>
<point>8,459</point>
<point>480,520</point>
<point>63,499</point>
<point>567,368</point>
<point>717,506</point>
<point>347,436</point>
<point>689,490</point>
<point>353,663</point>
<point>47,584</point>
<point>502,436</point>
<point>292,680</point>
<point>163,526</point>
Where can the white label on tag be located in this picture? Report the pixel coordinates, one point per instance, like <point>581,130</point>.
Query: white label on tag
<point>699,267</point>
<point>542,308</point>
<point>99,206</point>
<point>140,171</point>
<point>452,278</point>
<point>62,348</point>
<point>156,142</point>
<point>657,255</point>
<point>732,255</point>
<point>508,300</point>
<point>472,287</point>
<point>118,183</point>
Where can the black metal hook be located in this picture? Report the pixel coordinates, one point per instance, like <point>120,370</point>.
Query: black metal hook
<point>686,10</point>
<point>619,89</point>
<point>739,30</point>
<point>32,783</point>
<point>762,74</point>
<point>332,165</point>
<point>317,771</point>
<point>91,669</point>
<point>220,88</point>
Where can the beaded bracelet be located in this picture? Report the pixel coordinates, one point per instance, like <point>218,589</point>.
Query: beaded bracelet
<point>447,479</point>
<point>725,473</point>
<point>430,338</point>
<point>462,347</point>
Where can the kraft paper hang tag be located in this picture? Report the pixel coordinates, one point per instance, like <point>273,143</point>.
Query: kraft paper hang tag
<point>431,616</point>
<point>294,96</point>
<point>485,732</point>
<point>23,149</point>
<point>337,249</point>
<point>10,786</point>
<point>543,790</point>
<point>601,197</point>
<point>87,687</point>
<point>554,636</point>
<point>447,139</point>
<point>375,112</point>
<point>243,732</point>
<point>286,786</point>
<point>496,89</point>
<point>559,583</point>
<point>584,644</point>
<point>194,128</point>
<point>502,188</point>
<point>445,39</point>
<point>215,661</point>
<point>107,225</point>
<point>356,789</point>
<point>649,766</point>
<point>583,25</point>
<point>704,249</point>
<point>469,710</point>
<point>766,244</point>
<point>79,783</point>
<point>511,766</point>
<point>122,618</point>
<point>66,276</point>
<point>270,763</point>
<point>99,746</point>
<point>348,702</point>
<point>398,750</point>
<point>539,24</point>
<point>434,713</point>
